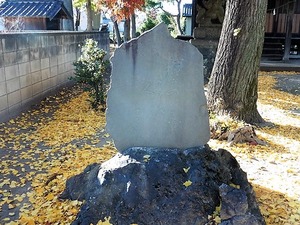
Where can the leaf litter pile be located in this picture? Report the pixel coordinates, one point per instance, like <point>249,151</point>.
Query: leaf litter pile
<point>57,139</point>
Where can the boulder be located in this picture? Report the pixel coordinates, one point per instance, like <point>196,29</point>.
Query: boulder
<point>144,185</point>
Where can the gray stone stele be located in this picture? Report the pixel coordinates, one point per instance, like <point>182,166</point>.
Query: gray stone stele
<point>156,96</point>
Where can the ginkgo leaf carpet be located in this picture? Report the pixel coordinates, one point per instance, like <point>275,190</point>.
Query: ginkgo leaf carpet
<point>59,137</point>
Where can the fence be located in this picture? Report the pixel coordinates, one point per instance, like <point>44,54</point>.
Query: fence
<point>34,64</point>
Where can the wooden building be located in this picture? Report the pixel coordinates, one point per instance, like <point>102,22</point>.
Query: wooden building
<point>33,14</point>
<point>282,31</point>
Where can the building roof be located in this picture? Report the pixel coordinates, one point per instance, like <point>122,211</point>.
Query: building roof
<point>187,10</point>
<point>47,9</point>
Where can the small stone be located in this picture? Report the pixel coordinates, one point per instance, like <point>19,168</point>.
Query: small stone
<point>242,220</point>
<point>234,202</point>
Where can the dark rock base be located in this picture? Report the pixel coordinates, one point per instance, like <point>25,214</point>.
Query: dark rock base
<point>165,186</point>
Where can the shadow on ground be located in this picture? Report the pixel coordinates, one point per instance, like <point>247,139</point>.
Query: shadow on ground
<point>276,207</point>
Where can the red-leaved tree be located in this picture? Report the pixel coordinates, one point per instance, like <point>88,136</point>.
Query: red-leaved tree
<point>120,9</point>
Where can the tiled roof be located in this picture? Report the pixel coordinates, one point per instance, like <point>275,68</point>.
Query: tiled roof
<point>48,9</point>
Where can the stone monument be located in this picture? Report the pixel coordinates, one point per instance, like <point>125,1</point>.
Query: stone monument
<point>164,173</point>
<point>156,98</point>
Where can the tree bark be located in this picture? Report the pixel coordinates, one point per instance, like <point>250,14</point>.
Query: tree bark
<point>117,31</point>
<point>133,26</point>
<point>77,20</point>
<point>178,16</point>
<point>89,15</point>
<point>232,88</point>
<point>127,30</point>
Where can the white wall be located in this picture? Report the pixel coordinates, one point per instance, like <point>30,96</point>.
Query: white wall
<point>188,26</point>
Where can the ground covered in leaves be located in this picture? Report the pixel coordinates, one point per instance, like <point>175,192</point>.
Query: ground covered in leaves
<point>273,169</point>
<point>41,149</point>
<point>58,138</point>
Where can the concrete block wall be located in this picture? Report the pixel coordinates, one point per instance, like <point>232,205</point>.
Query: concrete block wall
<point>32,65</point>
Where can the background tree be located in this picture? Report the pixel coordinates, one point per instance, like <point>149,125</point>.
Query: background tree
<point>133,25</point>
<point>77,18</point>
<point>232,88</point>
<point>88,5</point>
<point>89,16</point>
<point>121,10</point>
<point>157,5</point>
<point>178,16</point>
<point>117,31</point>
<point>155,15</point>
<point>127,29</point>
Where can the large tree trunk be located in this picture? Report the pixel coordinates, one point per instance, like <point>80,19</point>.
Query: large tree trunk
<point>117,31</point>
<point>232,88</point>
<point>133,26</point>
<point>127,30</point>
<point>89,15</point>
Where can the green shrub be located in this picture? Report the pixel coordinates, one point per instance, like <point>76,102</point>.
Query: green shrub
<point>148,24</point>
<point>90,69</point>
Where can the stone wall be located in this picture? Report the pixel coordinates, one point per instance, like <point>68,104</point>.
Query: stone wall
<point>34,64</point>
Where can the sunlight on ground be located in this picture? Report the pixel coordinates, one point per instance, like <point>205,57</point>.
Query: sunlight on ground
<point>277,115</point>
<point>291,145</point>
<point>274,169</point>
<point>52,150</point>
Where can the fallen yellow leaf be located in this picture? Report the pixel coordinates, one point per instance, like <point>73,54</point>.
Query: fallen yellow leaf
<point>234,185</point>
<point>146,158</point>
<point>105,222</point>
<point>11,206</point>
<point>186,170</point>
<point>187,183</point>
